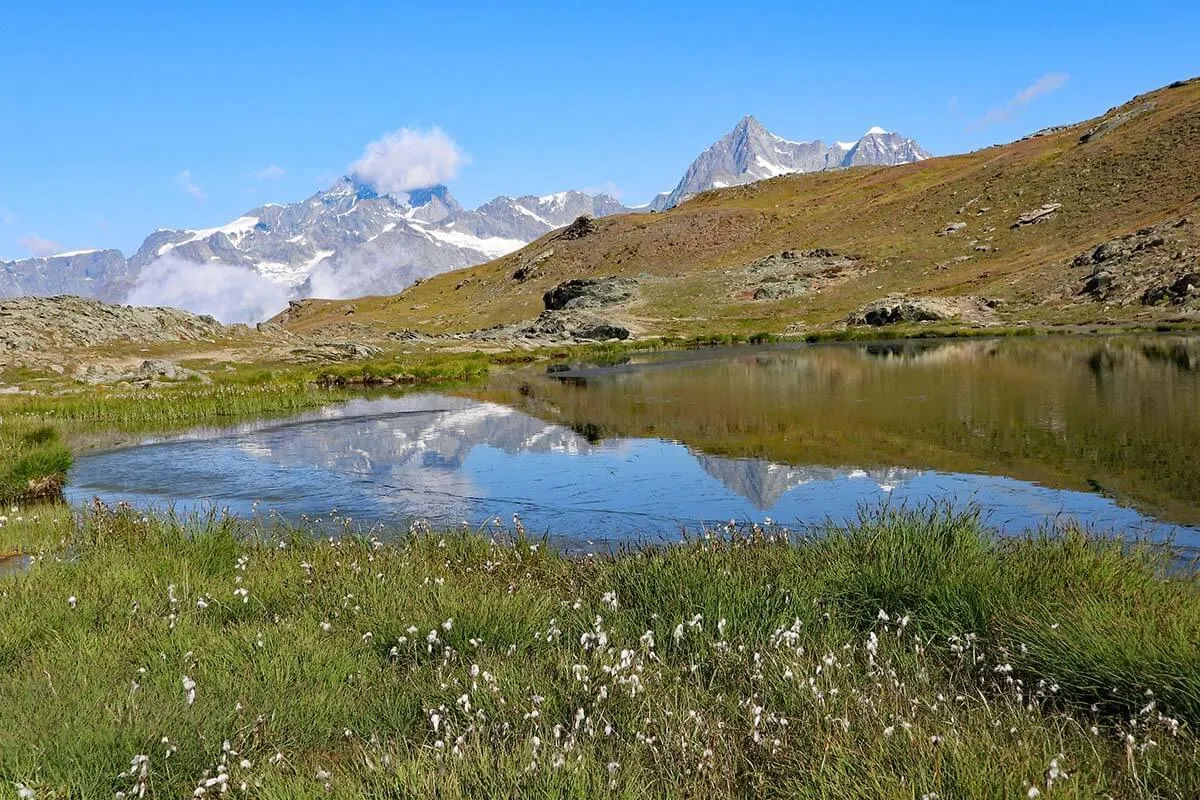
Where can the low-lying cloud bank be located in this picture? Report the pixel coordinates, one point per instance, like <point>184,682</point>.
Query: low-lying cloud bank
<point>229,293</point>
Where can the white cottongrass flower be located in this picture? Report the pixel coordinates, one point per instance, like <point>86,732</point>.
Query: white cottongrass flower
<point>72,601</point>
<point>189,686</point>
<point>24,792</point>
<point>323,775</point>
<point>243,593</point>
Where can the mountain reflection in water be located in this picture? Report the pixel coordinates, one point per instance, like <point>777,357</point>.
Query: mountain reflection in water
<point>635,452</point>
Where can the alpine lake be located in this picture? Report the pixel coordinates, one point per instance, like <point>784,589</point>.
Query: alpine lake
<point>1029,431</point>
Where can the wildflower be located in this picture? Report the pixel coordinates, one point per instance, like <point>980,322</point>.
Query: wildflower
<point>721,623</point>
<point>71,601</point>
<point>243,593</point>
<point>323,775</point>
<point>24,792</point>
<point>189,686</point>
<point>448,624</point>
<point>202,603</point>
<point>276,759</point>
<point>1033,792</point>
<point>325,626</point>
<point>889,730</point>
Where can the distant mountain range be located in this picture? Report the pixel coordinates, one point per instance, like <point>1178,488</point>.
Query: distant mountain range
<point>349,240</point>
<point>751,153</point>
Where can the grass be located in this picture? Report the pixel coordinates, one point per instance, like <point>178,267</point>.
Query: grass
<point>908,655</point>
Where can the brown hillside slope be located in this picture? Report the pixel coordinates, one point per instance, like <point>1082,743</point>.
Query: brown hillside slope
<point>696,264</point>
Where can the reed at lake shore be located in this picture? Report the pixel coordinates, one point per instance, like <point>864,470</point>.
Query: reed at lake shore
<point>912,654</point>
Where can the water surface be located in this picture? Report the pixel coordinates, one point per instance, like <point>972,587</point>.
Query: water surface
<point>1104,431</point>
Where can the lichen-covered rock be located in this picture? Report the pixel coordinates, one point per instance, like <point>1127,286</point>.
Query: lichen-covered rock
<point>589,293</point>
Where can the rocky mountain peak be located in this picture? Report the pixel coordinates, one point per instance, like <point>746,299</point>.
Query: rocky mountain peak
<point>751,153</point>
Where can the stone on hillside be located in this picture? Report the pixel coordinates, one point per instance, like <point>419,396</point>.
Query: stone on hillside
<point>1107,125</point>
<point>581,227</point>
<point>898,309</point>
<point>1037,215</point>
<point>149,372</point>
<point>589,293</point>
<point>1181,289</point>
<point>951,227</point>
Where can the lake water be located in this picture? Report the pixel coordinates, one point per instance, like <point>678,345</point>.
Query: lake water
<point>1105,431</point>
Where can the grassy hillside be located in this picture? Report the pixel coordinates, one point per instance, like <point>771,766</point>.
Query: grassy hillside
<point>693,262</point>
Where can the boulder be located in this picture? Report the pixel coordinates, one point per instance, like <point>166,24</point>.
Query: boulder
<point>1037,215</point>
<point>589,293</point>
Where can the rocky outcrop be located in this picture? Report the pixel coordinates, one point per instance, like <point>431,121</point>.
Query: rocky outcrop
<point>589,293</point>
<point>1152,266</point>
<point>797,272</point>
<point>1116,120</point>
<point>148,373</point>
<point>582,226</point>
<point>898,309</point>
<point>31,324</point>
<point>325,352</point>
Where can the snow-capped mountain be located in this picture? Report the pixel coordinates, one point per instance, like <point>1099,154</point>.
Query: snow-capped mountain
<point>751,153</point>
<point>349,240</point>
<point>102,274</point>
<point>344,241</point>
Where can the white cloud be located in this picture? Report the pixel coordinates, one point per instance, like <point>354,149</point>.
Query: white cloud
<point>39,246</point>
<point>7,217</point>
<point>184,181</point>
<point>229,293</point>
<point>271,173</point>
<point>1050,82</point>
<point>408,159</point>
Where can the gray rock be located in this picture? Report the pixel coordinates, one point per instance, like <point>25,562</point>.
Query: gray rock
<point>1037,215</point>
<point>897,309</point>
<point>951,227</point>
<point>150,372</point>
<point>589,293</point>
<point>1107,125</point>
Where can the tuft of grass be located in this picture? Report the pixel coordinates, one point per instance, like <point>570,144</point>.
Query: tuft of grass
<point>908,654</point>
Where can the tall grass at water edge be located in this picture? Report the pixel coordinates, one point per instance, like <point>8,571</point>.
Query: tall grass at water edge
<point>912,654</point>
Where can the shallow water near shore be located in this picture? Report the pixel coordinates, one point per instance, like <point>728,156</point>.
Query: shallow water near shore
<point>1105,431</point>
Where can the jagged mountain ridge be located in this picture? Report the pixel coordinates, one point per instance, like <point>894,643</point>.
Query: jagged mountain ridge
<point>102,274</point>
<point>341,241</point>
<point>751,153</point>
<point>348,240</point>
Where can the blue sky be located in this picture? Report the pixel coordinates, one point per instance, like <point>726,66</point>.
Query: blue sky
<point>121,118</point>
